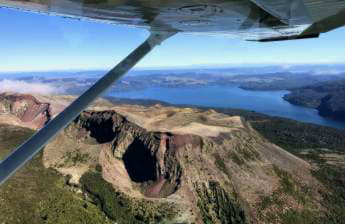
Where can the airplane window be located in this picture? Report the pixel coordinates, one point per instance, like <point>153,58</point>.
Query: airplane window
<point>172,112</point>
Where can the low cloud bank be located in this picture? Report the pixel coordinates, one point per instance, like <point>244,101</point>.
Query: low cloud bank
<point>19,86</point>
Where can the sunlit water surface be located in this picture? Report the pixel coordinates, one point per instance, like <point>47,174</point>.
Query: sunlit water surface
<point>267,102</point>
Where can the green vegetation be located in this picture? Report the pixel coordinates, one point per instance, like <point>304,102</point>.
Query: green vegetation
<point>120,207</point>
<point>270,207</point>
<point>114,204</point>
<point>242,154</point>
<point>248,153</point>
<point>289,186</point>
<point>293,216</point>
<point>333,177</point>
<point>75,157</point>
<point>219,161</point>
<point>234,157</point>
<point>11,137</point>
<point>216,205</point>
<point>297,137</point>
<point>38,195</point>
<point>292,135</point>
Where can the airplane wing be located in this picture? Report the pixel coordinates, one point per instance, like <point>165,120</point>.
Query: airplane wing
<point>261,20</point>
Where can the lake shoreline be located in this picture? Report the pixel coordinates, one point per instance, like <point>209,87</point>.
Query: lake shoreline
<point>270,103</point>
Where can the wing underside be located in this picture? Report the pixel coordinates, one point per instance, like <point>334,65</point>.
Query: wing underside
<point>248,19</point>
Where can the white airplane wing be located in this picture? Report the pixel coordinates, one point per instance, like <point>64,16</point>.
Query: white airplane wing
<point>249,19</point>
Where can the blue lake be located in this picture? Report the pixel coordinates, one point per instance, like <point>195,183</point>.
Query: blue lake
<point>267,102</point>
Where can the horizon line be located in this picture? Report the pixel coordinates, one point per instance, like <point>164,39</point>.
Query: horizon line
<point>196,66</point>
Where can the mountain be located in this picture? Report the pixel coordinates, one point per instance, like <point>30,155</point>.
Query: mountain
<point>162,164</point>
<point>24,109</point>
<point>247,78</point>
<point>327,97</point>
<point>285,81</point>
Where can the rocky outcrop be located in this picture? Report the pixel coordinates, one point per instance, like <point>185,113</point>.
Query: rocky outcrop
<point>216,204</point>
<point>26,108</point>
<point>149,157</point>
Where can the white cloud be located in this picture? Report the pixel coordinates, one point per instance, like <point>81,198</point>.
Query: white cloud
<point>328,72</point>
<point>19,86</point>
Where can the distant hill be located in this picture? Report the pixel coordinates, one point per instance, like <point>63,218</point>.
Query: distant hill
<point>327,97</point>
<point>286,81</point>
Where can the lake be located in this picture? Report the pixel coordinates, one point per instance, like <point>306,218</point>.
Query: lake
<point>267,102</point>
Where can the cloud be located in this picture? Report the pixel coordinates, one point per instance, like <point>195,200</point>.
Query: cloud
<point>19,86</point>
<point>329,72</point>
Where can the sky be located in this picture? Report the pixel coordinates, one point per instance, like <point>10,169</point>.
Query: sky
<point>36,42</point>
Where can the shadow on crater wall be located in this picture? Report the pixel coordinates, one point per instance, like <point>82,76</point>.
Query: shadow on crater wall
<point>139,163</point>
<point>101,128</point>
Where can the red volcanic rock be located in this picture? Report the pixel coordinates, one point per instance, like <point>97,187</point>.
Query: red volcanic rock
<point>154,190</point>
<point>152,159</point>
<point>25,107</point>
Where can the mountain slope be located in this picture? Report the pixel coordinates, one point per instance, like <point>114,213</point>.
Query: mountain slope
<point>204,155</point>
<point>179,165</point>
<point>39,195</point>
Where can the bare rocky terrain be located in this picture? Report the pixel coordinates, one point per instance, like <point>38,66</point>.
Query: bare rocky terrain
<point>160,164</point>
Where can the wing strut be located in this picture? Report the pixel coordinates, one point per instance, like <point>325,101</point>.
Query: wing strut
<point>34,145</point>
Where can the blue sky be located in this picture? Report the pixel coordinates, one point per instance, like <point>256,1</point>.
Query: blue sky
<point>35,42</point>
